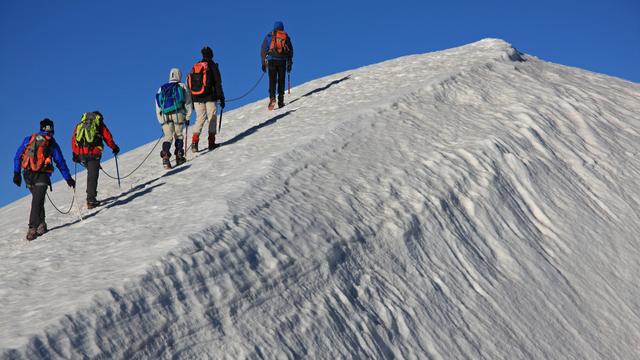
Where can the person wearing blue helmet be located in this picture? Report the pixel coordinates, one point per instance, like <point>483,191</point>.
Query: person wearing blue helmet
<point>276,54</point>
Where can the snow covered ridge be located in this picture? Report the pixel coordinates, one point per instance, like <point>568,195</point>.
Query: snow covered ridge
<point>457,204</point>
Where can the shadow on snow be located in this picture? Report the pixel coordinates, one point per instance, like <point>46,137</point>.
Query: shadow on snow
<point>126,197</point>
<point>320,89</point>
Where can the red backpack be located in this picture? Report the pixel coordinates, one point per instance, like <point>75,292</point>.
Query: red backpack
<point>278,44</point>
<point>37,154</point>
<point>197,79</point>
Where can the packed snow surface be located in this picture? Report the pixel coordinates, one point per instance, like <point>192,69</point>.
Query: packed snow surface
<point>473,203</point>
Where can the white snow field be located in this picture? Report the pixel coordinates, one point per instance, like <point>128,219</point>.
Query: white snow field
<point>473,203</point>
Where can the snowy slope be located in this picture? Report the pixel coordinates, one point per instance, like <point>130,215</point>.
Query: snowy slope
<point>469,203</point>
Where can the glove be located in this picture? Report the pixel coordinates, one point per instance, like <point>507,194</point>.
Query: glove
<point>289,64</point>
<point>71,183</point>
<point>222,103</point>
<point>116,150</point>
<point>75,158</point>
<point>264,67</point>
<point>17,179</point>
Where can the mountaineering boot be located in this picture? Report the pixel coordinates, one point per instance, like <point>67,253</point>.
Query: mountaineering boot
<point>165,154</point>
<point>194,142</point>
<point>179,153</point>
<point>41,229</point>
<point>272,103</point>
<point>212,141</point>
<point>166,162</point>
<point>280,102</point>
<point>92,204</point>
<point>32,234</point>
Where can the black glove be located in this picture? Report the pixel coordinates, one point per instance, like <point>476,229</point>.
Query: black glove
<point>116,150</point>
<point>222,103</point>
<point>17,179</point>
<point>289,63</point>
<point>71,183</point>
<point>264,67</point>
<point>75,158</point>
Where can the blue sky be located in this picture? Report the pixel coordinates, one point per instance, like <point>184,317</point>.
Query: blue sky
<point>62,58</point>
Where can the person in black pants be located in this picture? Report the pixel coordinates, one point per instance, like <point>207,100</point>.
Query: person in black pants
<point>276,54</point>
<point>87,148</point>
<point>36,156</point>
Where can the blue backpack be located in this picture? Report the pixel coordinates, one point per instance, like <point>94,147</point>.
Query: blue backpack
<point>170,98</point>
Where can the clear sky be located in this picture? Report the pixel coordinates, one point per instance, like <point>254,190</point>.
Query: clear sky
<point>62,58</point>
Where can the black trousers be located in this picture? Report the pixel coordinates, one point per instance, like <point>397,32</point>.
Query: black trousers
<point>93,171</point>
<point>277,73</point>
<point>37,183</point>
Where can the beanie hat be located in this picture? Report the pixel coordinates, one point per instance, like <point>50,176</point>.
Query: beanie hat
<point>278,25</point>
<point>46,125</point>
<point>207,53</point>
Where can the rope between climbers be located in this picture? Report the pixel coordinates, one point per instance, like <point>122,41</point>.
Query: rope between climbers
<point>137,167</point>
<point>75,177</point>
<point>250,90</point>
<point>156,144</point>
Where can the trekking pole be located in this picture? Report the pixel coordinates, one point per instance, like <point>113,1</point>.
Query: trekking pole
<point>117,169</point>
<point>289,90</point>
<point>186,137</point>
<point>220,122</point>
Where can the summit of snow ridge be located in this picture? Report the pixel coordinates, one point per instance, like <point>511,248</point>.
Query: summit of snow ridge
<point>505,49</point>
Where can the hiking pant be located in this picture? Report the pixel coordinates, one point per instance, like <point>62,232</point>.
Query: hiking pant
<point>205,111</point>
<point>93,170</point>
<point>172,129</point>
<point>37,184</point>
<point>277,73</point>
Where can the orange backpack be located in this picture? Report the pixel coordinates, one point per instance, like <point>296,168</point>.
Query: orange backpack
<point>37,154</point>
<point>278,44</point>
<point>197,79</point>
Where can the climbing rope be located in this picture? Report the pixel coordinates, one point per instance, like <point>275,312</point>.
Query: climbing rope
<point>137,167</point>
<point>156,144</point>
<point>248,92</point>
<point>75,177</point>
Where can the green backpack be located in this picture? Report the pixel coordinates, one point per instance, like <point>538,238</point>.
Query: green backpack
<point>87,129</point>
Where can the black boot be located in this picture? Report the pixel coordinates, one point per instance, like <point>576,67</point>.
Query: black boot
<point>180,159</point>
<point>92,203</point>
<point>166,162</point>
<point>32,234</point>
<point>41,229</point>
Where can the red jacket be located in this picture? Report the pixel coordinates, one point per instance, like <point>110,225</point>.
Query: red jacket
<point>95,149</point>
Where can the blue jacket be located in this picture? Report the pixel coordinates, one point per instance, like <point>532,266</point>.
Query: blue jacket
<point>264,49</point>
<point>56,154</point>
